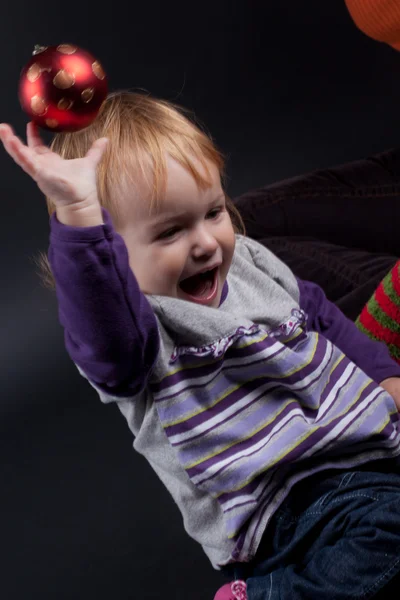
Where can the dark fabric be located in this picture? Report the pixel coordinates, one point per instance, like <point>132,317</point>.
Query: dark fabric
<point>337,227</point>
<point>348,277</point>
<point>336,536</point>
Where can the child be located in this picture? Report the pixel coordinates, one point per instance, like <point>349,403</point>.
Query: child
<point>254,399</point>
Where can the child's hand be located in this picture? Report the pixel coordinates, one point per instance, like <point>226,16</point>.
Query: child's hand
<point>392,385</point>
<point>65,182</point>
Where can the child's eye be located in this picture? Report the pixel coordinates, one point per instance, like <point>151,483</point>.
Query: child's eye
<point>169,233</point>
<point>214,213</point>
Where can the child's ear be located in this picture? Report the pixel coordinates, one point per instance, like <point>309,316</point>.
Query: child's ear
<point>236,217</point>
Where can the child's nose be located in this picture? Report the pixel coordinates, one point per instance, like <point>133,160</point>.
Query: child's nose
<point>204,242</point>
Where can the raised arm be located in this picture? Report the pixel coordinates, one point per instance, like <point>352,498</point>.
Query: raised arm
<point>111,332</point>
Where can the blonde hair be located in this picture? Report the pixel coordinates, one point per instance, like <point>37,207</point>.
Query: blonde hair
<point>141,131</point>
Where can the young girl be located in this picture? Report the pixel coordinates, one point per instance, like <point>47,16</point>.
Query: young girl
<point>262,408</point>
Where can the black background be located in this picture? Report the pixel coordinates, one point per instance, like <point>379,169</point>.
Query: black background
<point>284,88</point>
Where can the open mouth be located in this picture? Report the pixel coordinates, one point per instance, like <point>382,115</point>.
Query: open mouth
<point>201,288</point>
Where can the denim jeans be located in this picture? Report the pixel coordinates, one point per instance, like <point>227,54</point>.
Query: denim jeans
<point>338,227</point>
<point>337,536</point>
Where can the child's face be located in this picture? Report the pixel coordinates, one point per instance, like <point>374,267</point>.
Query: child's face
<point>191,232</point>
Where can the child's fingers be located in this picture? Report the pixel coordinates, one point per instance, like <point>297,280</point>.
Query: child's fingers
<point>5,129</point>
<point>34,139</point>
<point>6,132</point>
<point>97,149</point>
<point>21,154</point>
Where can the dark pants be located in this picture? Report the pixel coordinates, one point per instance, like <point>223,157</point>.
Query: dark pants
<point>337,536</point>
<point>338,227</point>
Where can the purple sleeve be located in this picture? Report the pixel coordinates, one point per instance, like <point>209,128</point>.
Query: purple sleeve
<point>326,318</point>
<point>110,329</point>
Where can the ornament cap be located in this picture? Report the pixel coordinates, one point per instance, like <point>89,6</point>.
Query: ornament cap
<point>38,49</point>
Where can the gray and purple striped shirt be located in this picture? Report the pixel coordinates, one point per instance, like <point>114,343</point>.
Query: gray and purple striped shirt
<point>232,405</point>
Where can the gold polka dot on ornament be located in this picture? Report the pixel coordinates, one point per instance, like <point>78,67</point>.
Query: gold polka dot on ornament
<point>67,48</point>
<point>87,95</point>
<point>34,72</point>
<point>39,106</point>
<point>65,104</point>
<point>98,70</point>
<point>53,123</point>
<point>64,79</point>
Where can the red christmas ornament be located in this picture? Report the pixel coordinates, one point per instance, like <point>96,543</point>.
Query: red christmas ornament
<point>62,88</point>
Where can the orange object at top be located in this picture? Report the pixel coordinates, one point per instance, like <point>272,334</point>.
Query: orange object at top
<point>379,19</point>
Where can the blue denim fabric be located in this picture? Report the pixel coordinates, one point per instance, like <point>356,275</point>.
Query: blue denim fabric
<point>337,536</point>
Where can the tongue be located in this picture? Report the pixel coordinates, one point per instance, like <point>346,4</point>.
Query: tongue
<point>198,285</point>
